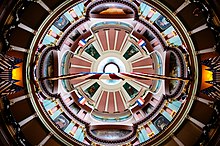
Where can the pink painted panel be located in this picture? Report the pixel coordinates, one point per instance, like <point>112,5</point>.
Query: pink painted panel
<point>111,104</point>
<point>144,62</point>
<point>102,103</point>
<point>111,36</point>
<point>78,70</point>
<point>119,101</point>
<point>103,41</point>
<point>78,61</point>
<point>144,70</point>
<point>146,82</point>
<point>121,36</point>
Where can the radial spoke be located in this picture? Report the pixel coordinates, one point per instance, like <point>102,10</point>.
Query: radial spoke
<point>114,76</point>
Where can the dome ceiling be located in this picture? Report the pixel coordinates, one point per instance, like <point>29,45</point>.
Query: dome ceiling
<point>112,73</point>
<point>114,47</point>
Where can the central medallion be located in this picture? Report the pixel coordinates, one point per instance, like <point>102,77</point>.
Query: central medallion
<point>111,68</point>
<point>111,65</point>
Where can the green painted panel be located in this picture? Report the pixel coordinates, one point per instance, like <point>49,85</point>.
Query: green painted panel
<point>92,89</point>
<point>132,50</point>
<point>92,51</point>
<point>132,92</point>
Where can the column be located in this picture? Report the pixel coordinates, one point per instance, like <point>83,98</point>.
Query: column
<point>5,85</point>
<point>20,49</point>
<point>215,60</point>
<point>198,123</point>
<point>208,102</point>
<point>107,39</point>
<point>217,67</point>
<point>217,88</point>
<point>177,140</point>
<point>5,74</point>
<point>28,119</point>
<point>2,66</point>
<point>4,62</point>
<point>207,50</point>
<point>200,28</point>
<point>106,104</point>
<point>44,141</point>
<point>27,28</point>
<point>17,99</point>
<point>115,102</point>
<point>182,7</point>
<point>116,39</point>
<point>44,6</point>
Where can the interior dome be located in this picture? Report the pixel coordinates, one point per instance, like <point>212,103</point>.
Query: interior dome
<point>111,72</point>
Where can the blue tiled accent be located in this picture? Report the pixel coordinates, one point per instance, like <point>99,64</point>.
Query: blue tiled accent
<point>177,103</point>
<point>77,10</point>
<point>146,11</point>
<point>68,16</point>
<point>140,137</point>
<point>173,107</point>
<point>81,7</point>
<point>78,133</point>
<point>155,16</point>
<point>168,30</point>
<point>176,41</point>
<point>81,137</point>
<point>50,105</point>
<point>167,115</point>
<point>142,7</point>
<point>56,114</point>
<point>69,128</point>
<point>48,40</point>
<point>145,135</point>
<point>55,29</point>
<point>153,128</point>
<point>46,102</point>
